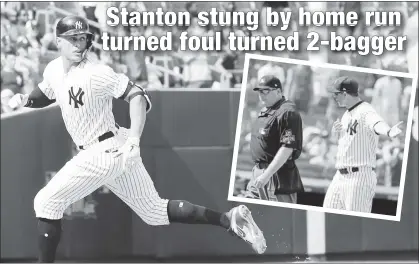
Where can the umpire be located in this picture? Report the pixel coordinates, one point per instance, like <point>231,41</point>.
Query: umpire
<point>275,145</point>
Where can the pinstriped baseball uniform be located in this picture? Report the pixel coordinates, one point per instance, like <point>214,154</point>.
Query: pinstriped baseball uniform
<point>85,96</point>
<point>353,186</point>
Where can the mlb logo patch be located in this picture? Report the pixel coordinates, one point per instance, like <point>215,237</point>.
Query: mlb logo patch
<point>263,131</point>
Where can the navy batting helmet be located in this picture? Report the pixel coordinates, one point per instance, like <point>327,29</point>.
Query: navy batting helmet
<point>74,25</point>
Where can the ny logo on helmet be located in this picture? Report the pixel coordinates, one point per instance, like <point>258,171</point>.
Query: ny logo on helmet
<point>78,25</point>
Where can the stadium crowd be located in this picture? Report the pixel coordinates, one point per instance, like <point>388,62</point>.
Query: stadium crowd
<point>28,44</point>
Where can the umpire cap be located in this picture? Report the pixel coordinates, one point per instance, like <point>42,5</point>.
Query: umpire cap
<point>268,82</point>
<point>344,84</point>
<point>72,25</point>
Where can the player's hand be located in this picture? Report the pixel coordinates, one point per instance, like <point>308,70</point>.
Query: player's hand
<point>18,100</point>
<point>395,130</point>
<point>337,126</point>
<point>261,181</point>
<point>130,153</point>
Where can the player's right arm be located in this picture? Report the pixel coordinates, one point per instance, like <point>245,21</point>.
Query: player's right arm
<point>377,124</point>
<point>41,96</point>
<point>36,99</point>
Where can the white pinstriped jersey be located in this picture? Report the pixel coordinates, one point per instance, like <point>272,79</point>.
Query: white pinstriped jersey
<point>358,141</point>
<point>84,95</point>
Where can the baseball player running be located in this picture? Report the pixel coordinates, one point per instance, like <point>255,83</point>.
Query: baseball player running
<point>109,155</point>
<point>353,186</point>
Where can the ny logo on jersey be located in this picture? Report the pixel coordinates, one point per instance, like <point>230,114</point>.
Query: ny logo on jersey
<point>78,25</point>
<point>76,98</point>
<point>352,126</point>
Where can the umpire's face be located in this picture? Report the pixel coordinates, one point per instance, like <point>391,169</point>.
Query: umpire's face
<point>269,96</point>
<point>72,47</point>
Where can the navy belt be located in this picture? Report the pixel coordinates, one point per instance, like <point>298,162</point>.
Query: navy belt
<point>348,170</point>
<point>103,137</point>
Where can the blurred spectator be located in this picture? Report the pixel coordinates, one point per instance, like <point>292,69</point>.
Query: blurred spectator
<point>32,34</point>
<point>392,155</point>
<point>11,7</point>
<point>10,78</point>
<point>272,68</point>
<point>405,102</point>
<point>27,62</point>
<point>196,30</point>
<point>89,9</point>
<point>11,28</point>
<point>298,88</point>
<point>154,75</point>
<point>48,40</point>
<point>132,6</point>
<point>387,98</point>
<point>6,95</point>
<point>351,6</point>
<point>22,19</point>
<point>100,15</point>
<point>411,30</point>
<point>196,70</point>
<point>228,6</point>
<point>227,62</point>
<point>415,124</point>
<point>192,8</point>
<point>135,59</point>
<point>278,6</point>
<point>6,45</point>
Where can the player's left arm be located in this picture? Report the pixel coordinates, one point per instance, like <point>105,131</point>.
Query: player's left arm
<point>106,82</point>
<point>290,140</point>
<point>377,124</point>
<point>139,105</point>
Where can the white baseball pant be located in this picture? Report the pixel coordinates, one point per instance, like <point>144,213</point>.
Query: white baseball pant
<point>93,168</point>
<point>354,191</point>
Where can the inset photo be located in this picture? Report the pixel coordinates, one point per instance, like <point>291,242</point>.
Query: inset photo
<point>323,137</point>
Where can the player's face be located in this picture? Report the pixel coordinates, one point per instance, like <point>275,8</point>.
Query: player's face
<point>339,98</point>
<point>10,61</point>
<point>72,47</point>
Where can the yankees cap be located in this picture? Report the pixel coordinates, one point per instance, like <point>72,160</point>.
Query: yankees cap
<point>344,84</point>
<point>268,82</point>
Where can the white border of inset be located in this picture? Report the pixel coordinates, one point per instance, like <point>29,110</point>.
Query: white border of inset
<point>248,57</point>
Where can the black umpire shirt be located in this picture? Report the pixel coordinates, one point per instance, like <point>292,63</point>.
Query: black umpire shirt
<point>277,126</point>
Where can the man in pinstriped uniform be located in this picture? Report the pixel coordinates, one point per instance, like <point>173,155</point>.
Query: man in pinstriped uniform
<point>353,186</point>
<point>110,155</point>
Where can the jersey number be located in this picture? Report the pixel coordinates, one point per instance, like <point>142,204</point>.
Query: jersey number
<point>76,98</point>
